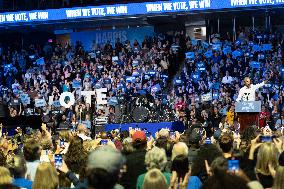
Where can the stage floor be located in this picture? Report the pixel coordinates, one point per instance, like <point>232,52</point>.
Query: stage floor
<point>151,127</point>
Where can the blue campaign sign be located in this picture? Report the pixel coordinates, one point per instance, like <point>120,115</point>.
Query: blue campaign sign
<point>261,56</point>
<point>205,44</point>
<point>164,76</point>
<point>251,43</point>
<point>238,42</point>
<point>266,47</point>
<point>76,84</point>
<point>158,7</point>
<point>208,54</point>
<point>256,48</point>
<point>254,64</point>
<point>237,53</point>
<point>216,47</point>
<point>151,72</point>
<point>135,74</point>
<point>178,82</point>
<point>282,70</point>
<point>40,103</point>
<point>193,42</point>
<point>195,76</point>
<point>201,66</point>
<point>156,88</point>
<point>135,63</point>
<point>25,99</point>
<point>40,61</point>
<point>227,50</point>
<point>56,103</point>
<point>190,55</point>
<point>130,79</point>
<point>120,86</point>
<point>215,95</point>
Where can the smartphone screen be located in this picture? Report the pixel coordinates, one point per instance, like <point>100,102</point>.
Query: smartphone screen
<point>104,142</point>
<point>61,142</point>
<point>58,160</point>
<point>207,141</point>
<point>172,134</point>
<point>266,138</point>
<point>233,165</point>
<point>148,135</point>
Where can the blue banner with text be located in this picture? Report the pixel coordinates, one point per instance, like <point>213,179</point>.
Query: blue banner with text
<point>130,9</point>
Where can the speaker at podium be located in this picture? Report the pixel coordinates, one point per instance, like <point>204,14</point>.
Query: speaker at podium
<point>248,113</point>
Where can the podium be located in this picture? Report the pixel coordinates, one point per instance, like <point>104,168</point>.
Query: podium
<point>248,113</point>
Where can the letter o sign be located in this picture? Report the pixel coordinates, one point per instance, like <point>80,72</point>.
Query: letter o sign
<point>62,98</point>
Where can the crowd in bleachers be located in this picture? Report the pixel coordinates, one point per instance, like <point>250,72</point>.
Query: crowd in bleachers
<point>210,153</point>
<point>33,78</point>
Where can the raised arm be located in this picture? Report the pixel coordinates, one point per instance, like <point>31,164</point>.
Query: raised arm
<point>256,86</point>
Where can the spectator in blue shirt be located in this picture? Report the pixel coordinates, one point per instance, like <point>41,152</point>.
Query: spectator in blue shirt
<point>18,169</point>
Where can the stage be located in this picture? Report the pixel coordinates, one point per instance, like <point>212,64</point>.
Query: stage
<point>10,124</point>
<point>151,127</point>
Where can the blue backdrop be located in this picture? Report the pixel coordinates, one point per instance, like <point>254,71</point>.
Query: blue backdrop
<point>101,37</point>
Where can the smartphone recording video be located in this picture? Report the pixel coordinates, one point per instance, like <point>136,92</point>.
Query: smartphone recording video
<point>266,138</point>
<point>207,141</point>
<point>172,134</point>
<point>148,135</point>
<point>58,160</point>
<point>233,165</point>
<point>103,142</point>
<point>61,142</point>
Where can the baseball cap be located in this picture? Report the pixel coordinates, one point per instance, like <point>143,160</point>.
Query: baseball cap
<point>107,158</point>
<point>139,135</point>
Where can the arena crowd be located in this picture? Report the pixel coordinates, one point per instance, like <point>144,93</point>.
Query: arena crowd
<point>200,90</point>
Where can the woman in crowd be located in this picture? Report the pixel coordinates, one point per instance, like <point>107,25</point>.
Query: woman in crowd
<point>155,159</point>
<point>76,156</point>
<point>267,159</point>
<point>5,176</point>
<point>46,177</point>
<point>154,178</point>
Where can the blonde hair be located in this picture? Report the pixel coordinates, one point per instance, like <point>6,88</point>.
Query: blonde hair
<point>65,134</point>
<point>17,166</point>
<point>267,154</point>
<point>46,177</point>
<point>279,178</point>
<point>5,176</point>
<point>154,178</point>
<point>179,148</point>
<point>46,144</point>
<point>156,158</point>
<point>89,145</point>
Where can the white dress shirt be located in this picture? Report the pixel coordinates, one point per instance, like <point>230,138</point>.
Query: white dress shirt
<point>248,94</point>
